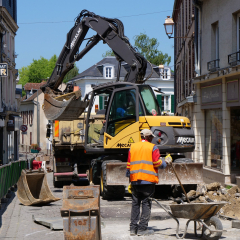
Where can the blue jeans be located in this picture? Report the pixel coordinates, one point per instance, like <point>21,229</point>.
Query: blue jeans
<point>141,194</point>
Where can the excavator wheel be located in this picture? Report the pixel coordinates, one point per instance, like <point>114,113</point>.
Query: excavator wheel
<point>57,184</point>
<point>96,171</point>
<point>110,192</point>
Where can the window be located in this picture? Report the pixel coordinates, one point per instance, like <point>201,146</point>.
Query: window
<point>238,32</point>
<point>165,74</point>
<point>215,41</point>
<point>122,112</point>
<point>213,139</point>
<point>30,138</point>
<point>22,138</point>
<point>103,100</point>
<point>148,100</point>
<point>108,72</point>
<point>164,102</point>
<point>10,3</point>
<point>31,117</point>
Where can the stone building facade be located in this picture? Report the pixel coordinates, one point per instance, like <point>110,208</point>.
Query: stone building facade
<point>184,56</point>
<point>9,104</point>
<point>217,110</point>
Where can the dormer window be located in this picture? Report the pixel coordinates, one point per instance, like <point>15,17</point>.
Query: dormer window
<point>108,72</point>
<point>165,73</point>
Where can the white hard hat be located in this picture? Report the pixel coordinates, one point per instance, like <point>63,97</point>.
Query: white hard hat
<point>147,132</point>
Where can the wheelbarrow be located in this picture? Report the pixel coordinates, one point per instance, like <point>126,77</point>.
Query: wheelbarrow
<point>202,213</point>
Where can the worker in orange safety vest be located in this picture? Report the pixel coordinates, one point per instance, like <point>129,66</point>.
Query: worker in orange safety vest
<point>142,168</point>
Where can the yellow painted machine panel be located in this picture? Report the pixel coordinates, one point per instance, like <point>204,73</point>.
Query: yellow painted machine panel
<point>124,138</point>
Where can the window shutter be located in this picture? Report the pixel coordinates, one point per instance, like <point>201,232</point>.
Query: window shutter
<point>159,99</point>
<point>172,103</point>
<point>100,102</point>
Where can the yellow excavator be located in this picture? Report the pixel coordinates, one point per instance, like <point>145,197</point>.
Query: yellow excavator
<point>95,145</point>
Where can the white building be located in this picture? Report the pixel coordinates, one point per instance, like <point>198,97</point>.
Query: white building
<point>34,118</point>
<point>106,71</point>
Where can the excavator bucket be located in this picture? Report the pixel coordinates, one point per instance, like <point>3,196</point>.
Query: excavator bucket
<point>33,188</point>
<point>66,107</point>
<point>189,173</point>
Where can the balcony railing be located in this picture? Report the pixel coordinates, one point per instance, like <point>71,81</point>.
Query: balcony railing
<point>213,65</point>
<point>234,58</point>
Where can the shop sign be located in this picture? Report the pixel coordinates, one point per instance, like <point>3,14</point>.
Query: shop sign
<point>3,70</point>
<point>211,94</point>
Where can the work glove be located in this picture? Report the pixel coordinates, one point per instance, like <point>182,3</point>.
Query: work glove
<point>168,159</point>
<point>130,188</point>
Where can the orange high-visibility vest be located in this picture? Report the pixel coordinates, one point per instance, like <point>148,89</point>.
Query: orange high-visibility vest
<point>141,164</point>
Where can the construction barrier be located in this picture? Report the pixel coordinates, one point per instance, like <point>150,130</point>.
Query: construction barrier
<point>9,175</point>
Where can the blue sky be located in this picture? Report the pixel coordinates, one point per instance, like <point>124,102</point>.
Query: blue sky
<point>43,26</point>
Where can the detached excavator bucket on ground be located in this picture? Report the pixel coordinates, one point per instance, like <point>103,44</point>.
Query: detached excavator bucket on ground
<point>66,107</point>
<point>33,188</point>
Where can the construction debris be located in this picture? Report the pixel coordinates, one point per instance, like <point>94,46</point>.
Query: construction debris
<point>215,192</point>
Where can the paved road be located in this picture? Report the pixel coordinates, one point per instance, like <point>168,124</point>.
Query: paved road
<point>16,221</point>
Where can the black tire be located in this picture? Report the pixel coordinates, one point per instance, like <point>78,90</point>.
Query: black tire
<point>183,160</point>
<point>57,184</point>
<point>216,223</point>
<point>96,173</point>
<point>110,192</point>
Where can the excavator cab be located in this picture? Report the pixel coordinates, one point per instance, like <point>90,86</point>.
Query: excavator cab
<point>120,127</point>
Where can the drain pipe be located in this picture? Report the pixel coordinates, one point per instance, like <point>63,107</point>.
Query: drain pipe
<point>197,47</point>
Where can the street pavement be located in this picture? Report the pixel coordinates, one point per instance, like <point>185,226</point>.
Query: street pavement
<point>16,221</point>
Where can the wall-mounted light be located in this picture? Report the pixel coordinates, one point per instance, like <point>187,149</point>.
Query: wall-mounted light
<point>168,24</point>
<point>169,27</point>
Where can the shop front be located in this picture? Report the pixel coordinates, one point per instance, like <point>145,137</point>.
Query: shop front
<point>211,103</point>
<point>233,102</point>
<point>220,104</point>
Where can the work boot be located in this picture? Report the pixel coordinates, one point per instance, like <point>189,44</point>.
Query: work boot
<point>133,232</point>
<point>145,232</point>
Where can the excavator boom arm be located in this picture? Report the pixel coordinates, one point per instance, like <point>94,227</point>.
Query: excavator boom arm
<point>111,32</point>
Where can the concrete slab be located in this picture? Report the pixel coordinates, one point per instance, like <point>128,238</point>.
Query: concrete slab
<point>52,223</point>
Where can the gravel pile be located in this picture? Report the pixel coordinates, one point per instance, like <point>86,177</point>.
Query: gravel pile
<point>217,193</point>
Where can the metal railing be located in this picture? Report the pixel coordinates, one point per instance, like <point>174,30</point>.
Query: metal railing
<point>213,65</point>
<point>9,175</point>
<point>234,58</point>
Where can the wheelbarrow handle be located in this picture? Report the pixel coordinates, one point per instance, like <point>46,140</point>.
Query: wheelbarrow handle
<point>180,182</point>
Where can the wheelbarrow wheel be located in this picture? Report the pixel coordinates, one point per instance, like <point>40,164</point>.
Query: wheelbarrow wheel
<point>215,224</point>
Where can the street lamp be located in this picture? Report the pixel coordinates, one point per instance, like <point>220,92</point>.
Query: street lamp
<point>169,27</point>
<point>168,24</point>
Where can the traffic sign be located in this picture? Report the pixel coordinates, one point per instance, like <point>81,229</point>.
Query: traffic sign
<point>23,128</point>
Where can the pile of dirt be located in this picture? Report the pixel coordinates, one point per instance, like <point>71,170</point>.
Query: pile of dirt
<point>217,193</point>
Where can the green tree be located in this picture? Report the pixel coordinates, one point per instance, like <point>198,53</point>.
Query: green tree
<point>71,74</point>
<point>37,70</point>
<point>148,47</point>
<point>108,53</point>
<point>42,69</point>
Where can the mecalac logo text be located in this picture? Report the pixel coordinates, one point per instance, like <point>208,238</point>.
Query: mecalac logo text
<point>75,38</point>
<point>185,140</point>
<point>121,145</point>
